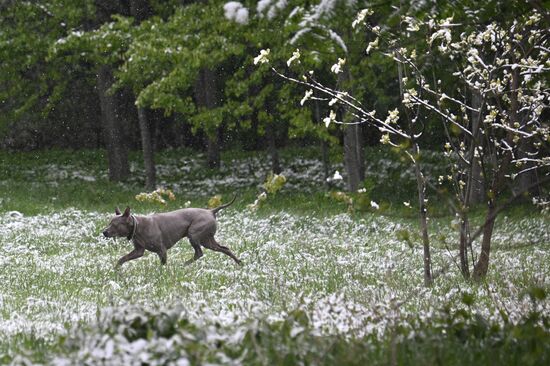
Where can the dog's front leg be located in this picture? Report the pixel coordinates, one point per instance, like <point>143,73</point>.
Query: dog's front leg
<point>134,254</point>
<point>162,254</point>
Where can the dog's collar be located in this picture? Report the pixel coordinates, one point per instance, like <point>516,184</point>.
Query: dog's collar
<point>130,237</point>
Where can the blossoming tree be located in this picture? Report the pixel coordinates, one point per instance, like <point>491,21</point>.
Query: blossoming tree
<point>492,110</point>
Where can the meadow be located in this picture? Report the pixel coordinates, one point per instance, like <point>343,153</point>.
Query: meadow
<point>320,284</point>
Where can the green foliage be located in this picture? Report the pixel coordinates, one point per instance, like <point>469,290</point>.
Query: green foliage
<point>27,80</point>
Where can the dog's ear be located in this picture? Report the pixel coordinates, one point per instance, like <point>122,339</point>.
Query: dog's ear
<point>126,212</point>
<point>117,211</point>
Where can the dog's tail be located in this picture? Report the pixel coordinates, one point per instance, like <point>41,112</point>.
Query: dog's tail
<point>215,210</point>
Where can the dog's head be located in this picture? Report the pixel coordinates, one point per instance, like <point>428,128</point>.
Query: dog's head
<point>120,226</point>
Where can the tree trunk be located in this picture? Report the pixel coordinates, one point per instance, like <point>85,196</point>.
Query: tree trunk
<point>326,162</point>
<point>527,181</point>
<point>529,178</point>
<point>272,148</point>
<point>324,146</point>
<point>148,151</point>
<point>421,188</point>
<point>213,151</point>
<point>141,10</point>
<point>476,189</point>
<point>353,144</point>
<point>115,141</point>
<point>208,96</point>
<point>353,157</point>
<point>482,265</point>
<point>113,129</point>
<point>463,246</point>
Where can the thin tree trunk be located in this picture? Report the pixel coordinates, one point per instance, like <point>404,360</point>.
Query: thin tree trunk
<point>147,148</point>
<point>272,148</point>
<point>324,146</point>
<point>213,151</point>
<point>353,145</point>
<point>482,266</point>
<point>141,10</point>
<point>529,178</point>
<point>352,157</point>
<point>421,188</point>
<point>326,162</point>
<point>476,189</point>
<point>208,96</point>
<point>117,151</point>
<point>463,246</point>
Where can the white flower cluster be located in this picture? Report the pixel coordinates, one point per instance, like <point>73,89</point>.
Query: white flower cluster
<point>262,58</point>
<point>295,57</point>
<point>361,16</point>
<point>338,67</point>
<point>330,119</point>
<point>235,11</point>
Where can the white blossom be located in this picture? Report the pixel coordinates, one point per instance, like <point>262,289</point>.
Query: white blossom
<point>337,67</point>
<point>262,57</point>
<point>372,45</point>
<point>295,57</point>
<point>361,16</point>
<point>331,118</point>
<point>235,11</point>
<point>308,94</point>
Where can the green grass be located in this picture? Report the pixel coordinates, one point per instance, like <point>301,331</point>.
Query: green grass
<point>320,285</point>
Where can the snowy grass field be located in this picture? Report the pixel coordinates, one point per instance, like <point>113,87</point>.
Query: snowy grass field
<point>319,285</point>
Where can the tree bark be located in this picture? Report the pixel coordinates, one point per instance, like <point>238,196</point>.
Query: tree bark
<point>353,157</point>
<point>272,148</point>
<point>213,151</point>
<point>529,178</point>
<point>476,189</point>
<point>423,215</point>
<point>326,162</point>
<point>117,150</point>
<point>148,151</point>
<point>324,146</point>
<point>463,246</point>
<point>353,145</point>
<point>141,10</point>
<point>208,96</point>
<point>112,125</point>
<point>482,266</point>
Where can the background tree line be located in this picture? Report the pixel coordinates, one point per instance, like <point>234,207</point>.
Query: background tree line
<point>150,74</point>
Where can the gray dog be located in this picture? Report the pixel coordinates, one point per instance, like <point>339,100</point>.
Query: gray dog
<point>159,232</point>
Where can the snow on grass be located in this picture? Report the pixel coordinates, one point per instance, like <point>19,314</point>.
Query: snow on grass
<point>351,274</point>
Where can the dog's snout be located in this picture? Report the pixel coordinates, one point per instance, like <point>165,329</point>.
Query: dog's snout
<point>106,233</point>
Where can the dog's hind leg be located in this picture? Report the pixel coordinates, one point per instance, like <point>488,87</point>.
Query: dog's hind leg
<point>162,254</point>
<point>212,244</point>
<point>198,252</point>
